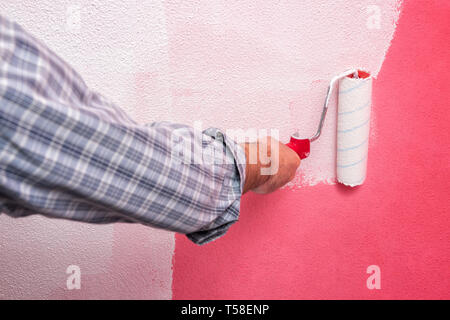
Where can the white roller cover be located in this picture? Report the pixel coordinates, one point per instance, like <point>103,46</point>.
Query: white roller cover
<point>354,105</point>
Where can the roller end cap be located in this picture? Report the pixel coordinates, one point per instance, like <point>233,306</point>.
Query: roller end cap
<point>300,146</point>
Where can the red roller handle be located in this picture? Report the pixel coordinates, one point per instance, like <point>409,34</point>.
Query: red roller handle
<point>300,146</point>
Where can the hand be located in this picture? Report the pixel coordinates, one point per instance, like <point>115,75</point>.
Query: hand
<point>270,165</point>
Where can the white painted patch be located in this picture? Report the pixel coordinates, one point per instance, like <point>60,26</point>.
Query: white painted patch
<point>36,251</point>
<point>268,65</point>
<point>109,43</point>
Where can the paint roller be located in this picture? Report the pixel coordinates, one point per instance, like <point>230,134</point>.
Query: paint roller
<point>353,124</point>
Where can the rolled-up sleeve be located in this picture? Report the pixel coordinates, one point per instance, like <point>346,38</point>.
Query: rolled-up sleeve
<point>68,152</point>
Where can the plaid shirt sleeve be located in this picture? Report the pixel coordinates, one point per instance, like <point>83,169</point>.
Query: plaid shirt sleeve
<point>67,152</point>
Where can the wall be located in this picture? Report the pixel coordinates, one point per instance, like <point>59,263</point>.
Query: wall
<point>317,242</point>
<point>110,43</point>
<point>240,64</point>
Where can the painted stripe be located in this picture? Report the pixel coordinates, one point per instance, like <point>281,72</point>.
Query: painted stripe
<point>353,88</point>
<point>354,147</point>
<point>352,164</point>
<point>365,105</point>
<point>354,128</point>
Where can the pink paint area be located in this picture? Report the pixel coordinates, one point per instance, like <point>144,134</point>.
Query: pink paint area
<point>317,243</point>
<point>267,64</point>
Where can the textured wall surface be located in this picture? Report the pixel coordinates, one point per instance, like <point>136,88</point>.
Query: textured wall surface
<point>259,64</point>
<point>110,43</point>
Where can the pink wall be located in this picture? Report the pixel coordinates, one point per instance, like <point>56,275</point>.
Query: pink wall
<point>261,64</point>
<point>316,242</point>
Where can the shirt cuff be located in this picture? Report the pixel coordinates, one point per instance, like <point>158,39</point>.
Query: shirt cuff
<point>231,191</point>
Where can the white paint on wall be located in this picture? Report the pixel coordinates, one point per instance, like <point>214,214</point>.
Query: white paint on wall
<point>109,43</point>
<point>267,64</point>
<point>36,251</point>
